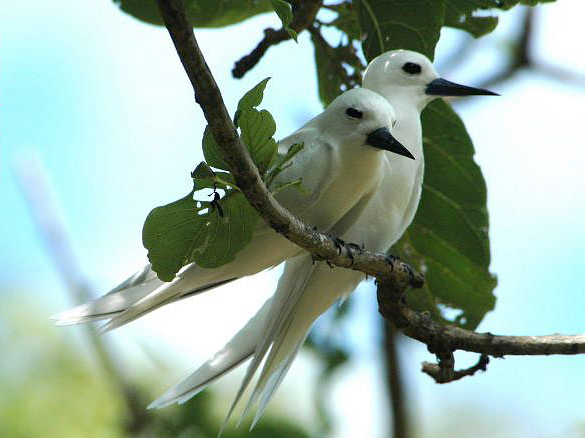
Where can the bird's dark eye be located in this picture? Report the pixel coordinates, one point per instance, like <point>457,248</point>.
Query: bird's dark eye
<point>352,112</point>
<point>411,68</point>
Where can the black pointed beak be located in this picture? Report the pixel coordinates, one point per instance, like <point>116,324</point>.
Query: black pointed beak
<point>382,139</point>
<point>443,87</point>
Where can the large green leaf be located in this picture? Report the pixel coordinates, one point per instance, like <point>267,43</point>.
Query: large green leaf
<point>462,14</point>
<point>200,13</point>
<point>448,239</point>
<point>190,231</point>
<point>400,24</point>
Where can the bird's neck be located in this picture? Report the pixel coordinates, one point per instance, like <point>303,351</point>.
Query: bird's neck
<point>408,103</point>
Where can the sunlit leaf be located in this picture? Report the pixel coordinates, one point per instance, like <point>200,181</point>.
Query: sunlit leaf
<point>211,151</point>
<point>252,98</point>
<point>258,127</point>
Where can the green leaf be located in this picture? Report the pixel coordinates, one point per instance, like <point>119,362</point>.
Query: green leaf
<point>203,171</point>
<point>200,13</point>
<point>396,24</point>
<point>226,236</point>
<point>205,178</point>
<point>461,14</point>
<point>284,12</point>
<point>169,234</point>
<point>252,98</point>
<point>448,239</point>
<point>327,71</point>
<point>211,151</point>
<point>258,127</point>
<point>188,231</point>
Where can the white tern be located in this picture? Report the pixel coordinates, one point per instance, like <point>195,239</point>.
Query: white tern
<point>341,166</point>
<point>305,290</point>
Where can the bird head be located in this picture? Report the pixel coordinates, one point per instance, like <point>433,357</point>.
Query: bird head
<point>361,116</point>
<point>411,75</point>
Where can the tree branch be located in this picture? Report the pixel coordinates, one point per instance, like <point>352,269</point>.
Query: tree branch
<point>522,58</point>
<point>442,340</point>
<point>444,371</point>
<point>246,176</point>
<point>304,15</point>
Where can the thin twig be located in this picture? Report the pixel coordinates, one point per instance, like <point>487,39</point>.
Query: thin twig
<point>350,81</point>
<point>522,58</point>
<point>304,14</point>
<point>446,373</point>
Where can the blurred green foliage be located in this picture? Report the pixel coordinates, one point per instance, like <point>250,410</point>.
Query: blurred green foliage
<point>50,387</point>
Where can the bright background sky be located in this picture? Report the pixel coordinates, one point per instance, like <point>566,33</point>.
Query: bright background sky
<point>103,101</point>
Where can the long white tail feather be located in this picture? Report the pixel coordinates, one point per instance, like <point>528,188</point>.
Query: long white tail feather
<point>162,295</point>
<point>105,306</point>
<point>235,352</point>
<point>274,382</point>
<point>289,286</point>
<point>319,291</point>
<point>270,244</point>
<point>143,275</point>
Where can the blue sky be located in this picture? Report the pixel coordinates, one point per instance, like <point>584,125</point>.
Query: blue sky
<point>103,101</point>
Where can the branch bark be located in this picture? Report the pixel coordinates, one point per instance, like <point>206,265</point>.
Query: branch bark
<point>444,371</point>
<point>442,339</point>
<point>392,275</point>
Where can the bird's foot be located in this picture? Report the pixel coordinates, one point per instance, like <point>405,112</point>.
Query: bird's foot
<point>391,259</point>
<point>410,272</point>
<point>339,243</point>
<point>350,248</point>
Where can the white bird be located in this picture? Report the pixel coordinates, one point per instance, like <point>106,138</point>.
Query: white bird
<point>306,290</point>
<point>340,165</point>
